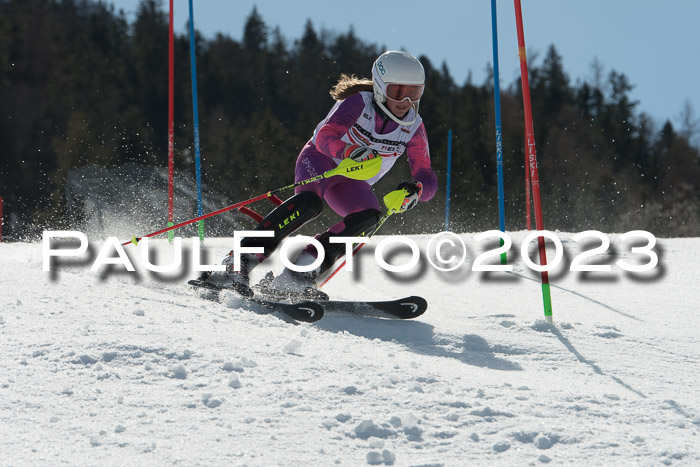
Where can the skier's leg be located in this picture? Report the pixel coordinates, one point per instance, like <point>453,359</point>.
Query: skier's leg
<point>347,196</point>
<point>301,208</point>
<point>356,202</point>
<point>360,209</point>
<point>352,225</point>
<point>284,220</point>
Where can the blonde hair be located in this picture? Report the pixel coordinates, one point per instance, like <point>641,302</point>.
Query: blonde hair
<point>349,85</point>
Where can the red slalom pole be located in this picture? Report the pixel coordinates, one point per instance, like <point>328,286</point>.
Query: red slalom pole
<point>528,200</point>
<point>171,122</point>
<point>532,159</point>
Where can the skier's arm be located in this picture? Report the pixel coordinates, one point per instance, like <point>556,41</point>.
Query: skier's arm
<point>419,161</point>
<point>328,137</point>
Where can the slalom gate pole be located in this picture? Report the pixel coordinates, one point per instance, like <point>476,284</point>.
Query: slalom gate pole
<point>449,180</point>
<point>171,122</point>
<point>528,200</point>
<point>499,141</point>
<point>348,168</point>
<point>532,160</point>
<point>195,120</point>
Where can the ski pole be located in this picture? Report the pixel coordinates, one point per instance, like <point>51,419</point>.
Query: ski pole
<point>347,168</point>
<point>531,167</point>
<point>393,202</point>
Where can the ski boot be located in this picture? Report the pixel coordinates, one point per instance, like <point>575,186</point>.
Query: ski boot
<point>293,285</point>
<point>230,279</point>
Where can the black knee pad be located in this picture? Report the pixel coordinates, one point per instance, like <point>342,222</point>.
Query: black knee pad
<point>356,224</point>
<point>359,223</point>
<point>285,219</point>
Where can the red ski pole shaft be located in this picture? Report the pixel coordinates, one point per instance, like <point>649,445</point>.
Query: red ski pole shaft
<point>348,168</point>
<point>135,240</point>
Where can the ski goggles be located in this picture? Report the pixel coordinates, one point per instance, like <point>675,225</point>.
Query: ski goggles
<point>401,92</point>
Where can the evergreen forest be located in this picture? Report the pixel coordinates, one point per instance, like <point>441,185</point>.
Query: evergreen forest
<point>82,85</point>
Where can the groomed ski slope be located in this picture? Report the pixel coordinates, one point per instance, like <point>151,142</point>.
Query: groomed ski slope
<point>133,368</point>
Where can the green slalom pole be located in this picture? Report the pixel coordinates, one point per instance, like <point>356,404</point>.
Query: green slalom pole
<point>200,229</point>
<point>547,298</point>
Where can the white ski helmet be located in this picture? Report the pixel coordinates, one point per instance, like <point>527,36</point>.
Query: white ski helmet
<point>398,76</point>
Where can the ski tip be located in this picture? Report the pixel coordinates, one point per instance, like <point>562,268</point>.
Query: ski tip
<point>308,312</point>
<point>402,308</point>
<point>413,307</point>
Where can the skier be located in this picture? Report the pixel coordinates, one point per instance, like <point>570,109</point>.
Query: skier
<point>370,119</point>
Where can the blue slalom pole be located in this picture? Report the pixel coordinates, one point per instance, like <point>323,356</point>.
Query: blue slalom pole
<point>499,142</point>
<point>195,119</point>
<point>449,179</point>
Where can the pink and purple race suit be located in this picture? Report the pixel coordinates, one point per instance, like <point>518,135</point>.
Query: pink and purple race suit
<point>355,121</point>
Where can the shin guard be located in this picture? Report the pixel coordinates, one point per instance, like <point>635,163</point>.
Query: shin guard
<point>285,219</point>
<point>355,224</point>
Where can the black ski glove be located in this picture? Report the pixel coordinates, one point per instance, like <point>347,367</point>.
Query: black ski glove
<point>359,153</point>
<point>413,191</point>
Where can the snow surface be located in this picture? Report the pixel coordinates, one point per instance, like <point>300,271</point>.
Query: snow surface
<point>118,368</point>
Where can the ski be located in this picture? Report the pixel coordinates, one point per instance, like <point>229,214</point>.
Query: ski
<point>308,312</point>
<point>311,311</point>
<point>402,308</point>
